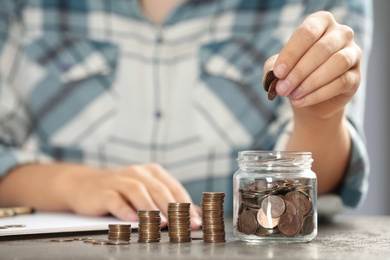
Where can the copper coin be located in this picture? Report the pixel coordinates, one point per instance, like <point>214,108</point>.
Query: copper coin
<point>62,240</point>
<point>304,188</point>
<point>89,240</point>
<point>214,194</point>
<point>290,208</point>
<point>262,231</point>
<point>273,205</point>
<point>300,201</point>
<point>307,225</point>
<point>289,224</point>
<point>268,78</point>
<point>119,226</point>
<point>266,222</point>
<point>271,91</point>
<point>180,239</point>
<point>118,243</point>
<point>100,242</point>
<point>15,226</point>
<point>247,223</point>
<point>299,215</point>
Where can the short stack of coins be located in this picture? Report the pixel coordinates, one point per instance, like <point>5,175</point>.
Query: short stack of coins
<point>119,234</point>
<point>149,226</point>
<point>213,224</point>
<point>279,208</point>
<point>179,222</point>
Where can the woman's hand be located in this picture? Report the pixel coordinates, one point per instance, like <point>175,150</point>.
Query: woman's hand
<point>123,191</point>
<point>90,191</point>
<point>319,70</point>
<point>319,67</point>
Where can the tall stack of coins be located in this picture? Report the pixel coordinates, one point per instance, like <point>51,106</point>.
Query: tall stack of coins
<point>213,224</point>
<point>281,207</point>
<point>149,226</point>
<point>119,234</point>
<point>179,222</point>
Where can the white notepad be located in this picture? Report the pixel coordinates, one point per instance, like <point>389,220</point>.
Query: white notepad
<point>54,222</point>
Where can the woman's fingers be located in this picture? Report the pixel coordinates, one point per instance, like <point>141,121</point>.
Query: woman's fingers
<point>331,42</point>
<point>341,70</point>
<point>308,33</point>
<point>158,190</point>
<point>319,62</point>
<point>150,186</point>
<point>177,190</point>
<point>348,80</point>
<point>117,205</point>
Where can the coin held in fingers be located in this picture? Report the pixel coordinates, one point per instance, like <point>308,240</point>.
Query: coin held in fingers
<point>269,84</point>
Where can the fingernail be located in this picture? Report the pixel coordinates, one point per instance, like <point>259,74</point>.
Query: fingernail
<point>298,102</point>
<point>164,220</point>
<point>280,71</point>
<point>296,92</point>
<point>197,222</point>
<point>282,87</point>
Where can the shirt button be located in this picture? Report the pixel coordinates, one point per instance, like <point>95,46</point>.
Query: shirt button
<point>158,114</point>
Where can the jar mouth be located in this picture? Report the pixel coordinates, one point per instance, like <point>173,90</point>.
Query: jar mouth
<point>275,158</point>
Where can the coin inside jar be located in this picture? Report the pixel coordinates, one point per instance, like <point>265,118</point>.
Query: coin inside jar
<point>300,201</point>
<point>273,205</point>
<point>247,222</point>
<point>289,224</point>
<point>307,225</point>
<point>265,221</point>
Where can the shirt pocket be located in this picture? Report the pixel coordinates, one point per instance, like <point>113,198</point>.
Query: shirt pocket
<point>72,58</point>
<point>74,102</point>
<point>231,106</point>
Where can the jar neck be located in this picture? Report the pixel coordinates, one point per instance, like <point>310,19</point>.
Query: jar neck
<point>285,160</point>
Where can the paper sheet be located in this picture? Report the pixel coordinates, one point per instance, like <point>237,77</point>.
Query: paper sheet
<point>54,222</point>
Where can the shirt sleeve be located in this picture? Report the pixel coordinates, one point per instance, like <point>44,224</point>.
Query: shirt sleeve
<point>358,16</point>
<point>15,122</point>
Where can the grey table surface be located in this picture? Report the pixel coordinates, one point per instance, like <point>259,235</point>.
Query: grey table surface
<point>346,237</point>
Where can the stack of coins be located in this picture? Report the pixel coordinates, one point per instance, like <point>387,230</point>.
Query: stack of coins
<point>149,226</point>
<point>213,224</point>
<point>282,207</point>
<point>179,223</point>
<point>119,234</point>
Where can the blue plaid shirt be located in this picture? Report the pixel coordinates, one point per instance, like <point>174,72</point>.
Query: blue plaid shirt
<point>95,82</point>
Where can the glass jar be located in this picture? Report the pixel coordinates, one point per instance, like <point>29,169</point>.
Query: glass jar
<point>275,197</point>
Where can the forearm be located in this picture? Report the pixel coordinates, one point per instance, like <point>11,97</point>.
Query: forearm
<point>329,141</point>
<point>40,186</point>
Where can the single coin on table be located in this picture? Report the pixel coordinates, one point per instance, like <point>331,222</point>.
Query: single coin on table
<point>15,226</point>
<point>62,240</point>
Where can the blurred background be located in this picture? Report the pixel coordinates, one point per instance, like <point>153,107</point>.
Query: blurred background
<point>377,116</point>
